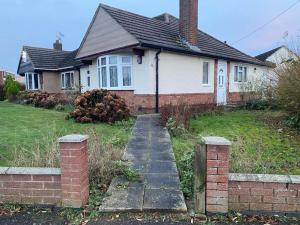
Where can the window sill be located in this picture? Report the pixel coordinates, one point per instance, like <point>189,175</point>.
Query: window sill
<point>206,85</point>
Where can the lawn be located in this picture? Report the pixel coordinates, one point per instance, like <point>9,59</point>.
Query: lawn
<point>27,128</point>
<point>261,143</point>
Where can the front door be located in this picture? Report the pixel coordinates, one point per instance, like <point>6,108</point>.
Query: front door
<point>221,83</point>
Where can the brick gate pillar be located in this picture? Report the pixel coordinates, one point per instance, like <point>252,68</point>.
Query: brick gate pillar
<point>211,175</point>
<point>74,170</point>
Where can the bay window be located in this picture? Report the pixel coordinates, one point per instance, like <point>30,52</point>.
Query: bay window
<point>67,80</point>
<point>240,74</point>
<point>32,81</point>
<point>115,72</point>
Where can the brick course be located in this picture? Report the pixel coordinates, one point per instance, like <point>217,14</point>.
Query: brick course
<point>146,103</point>
<point>264,196</point>
<point>30,189</point>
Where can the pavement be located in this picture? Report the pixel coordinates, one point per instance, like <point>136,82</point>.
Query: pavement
<point>149,151</point>
<point>55,219</point>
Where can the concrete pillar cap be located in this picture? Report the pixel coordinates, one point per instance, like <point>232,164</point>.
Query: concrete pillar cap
<point>215,141</point>
<point>73,138</point>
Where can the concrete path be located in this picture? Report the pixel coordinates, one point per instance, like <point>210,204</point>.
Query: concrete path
<point>149,151</point>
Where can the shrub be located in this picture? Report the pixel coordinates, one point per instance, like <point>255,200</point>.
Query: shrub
<point>11,88</point>
<point>99,106</point>
<point>175,128</point>
<point>2,93</point>
<point>44,99</point>
<point>262,104</point>
<point>288,91</point>
<point>176,117</point>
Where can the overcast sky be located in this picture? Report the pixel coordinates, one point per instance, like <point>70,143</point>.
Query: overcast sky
<point>37,22</point>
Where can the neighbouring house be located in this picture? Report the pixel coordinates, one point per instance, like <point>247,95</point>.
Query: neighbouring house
<point>2,77</point>
<point>152,62</point>
<point>50,70</point>
<point>276,58</point>
<point>4,74</point>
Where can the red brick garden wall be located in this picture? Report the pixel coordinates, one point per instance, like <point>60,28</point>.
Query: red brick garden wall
<point>68,186</point>
<point>226,191</point>
<point>264,196</point>
<point>30,189</point>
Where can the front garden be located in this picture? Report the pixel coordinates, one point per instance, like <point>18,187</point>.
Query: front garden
<point>32,133</point>
<point>260,143</point>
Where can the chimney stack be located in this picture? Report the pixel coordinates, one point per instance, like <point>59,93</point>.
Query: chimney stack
<point>57,45</point>
<point>188,25</point>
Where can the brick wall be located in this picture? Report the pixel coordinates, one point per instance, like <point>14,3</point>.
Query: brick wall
<point>217,170</point>
<point>30,186</point>
<point>240,192</point>
<point>68,186</point>
<point>147,102</point>
<point>271,193</point>
<point>234,97</point>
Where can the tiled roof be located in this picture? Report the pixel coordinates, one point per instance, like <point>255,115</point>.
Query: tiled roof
<point>263,57</point>
<point>43,58</point>
<point>157,33</point>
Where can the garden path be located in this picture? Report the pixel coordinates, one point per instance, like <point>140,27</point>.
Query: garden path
<point>149,151</point>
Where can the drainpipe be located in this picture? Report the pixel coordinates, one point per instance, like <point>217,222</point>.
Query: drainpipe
<point>157,82</point>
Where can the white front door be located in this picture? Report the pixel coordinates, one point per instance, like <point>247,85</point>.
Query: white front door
<point>85,81</point>
<point>221,83</point>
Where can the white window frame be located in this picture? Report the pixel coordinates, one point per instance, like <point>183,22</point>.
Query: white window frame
<point>32,81</point>
<point>240,74</point>
<point>63,80</point>
<point>208,74</point>
<point>119,66</point>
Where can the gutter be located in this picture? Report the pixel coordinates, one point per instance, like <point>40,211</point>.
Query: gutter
<point>157,82</point>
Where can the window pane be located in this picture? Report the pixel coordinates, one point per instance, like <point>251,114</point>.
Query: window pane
<point>68,80</point>
<point>126,59</point>
<point>88,81</point>
<point>113,59</point>
<point>36,81</point>
<point>235,73</point>
<point>205,73</point>
<point>113,73</point>
<point>126,75</point>
<point>63,80</point>
<point>103,77</point>
<point>30,81</point>
<point>72,80</point>
<point>240,77</point>
<point>103,61</point>
<point>245,74</point>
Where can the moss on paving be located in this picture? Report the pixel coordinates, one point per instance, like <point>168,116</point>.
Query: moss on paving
<point>28,127</point>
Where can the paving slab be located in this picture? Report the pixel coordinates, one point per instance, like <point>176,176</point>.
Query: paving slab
<point>149,151</point>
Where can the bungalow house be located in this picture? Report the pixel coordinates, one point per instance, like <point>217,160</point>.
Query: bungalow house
<point>50,70</point>
<point>155,61</point>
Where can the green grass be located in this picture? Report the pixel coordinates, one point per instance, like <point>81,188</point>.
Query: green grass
<point>259,144</point>
<point>256,146</point>
<point>30,128</point>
